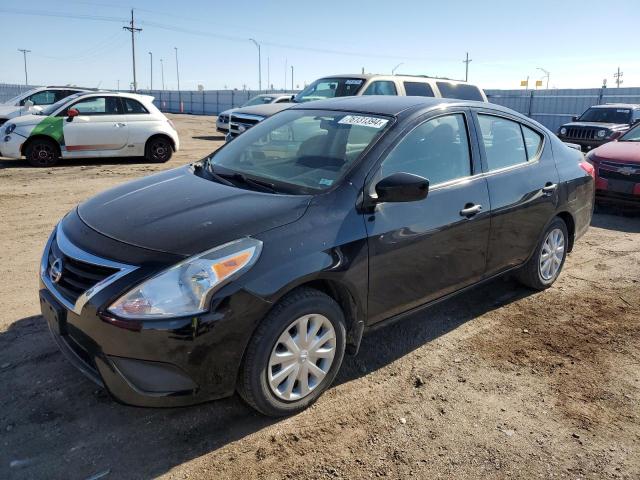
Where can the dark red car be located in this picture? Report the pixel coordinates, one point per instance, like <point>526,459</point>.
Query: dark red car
<point>617,168</point>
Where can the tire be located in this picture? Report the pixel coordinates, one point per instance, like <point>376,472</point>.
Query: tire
<point>259,380</point>
<point>42,152</point>
<point>158,150</point>
<point>534,274</point>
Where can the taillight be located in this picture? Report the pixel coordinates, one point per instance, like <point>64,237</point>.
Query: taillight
<point>587,167</point>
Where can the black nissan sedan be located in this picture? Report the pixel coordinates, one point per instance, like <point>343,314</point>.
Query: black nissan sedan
<point>257,268</point>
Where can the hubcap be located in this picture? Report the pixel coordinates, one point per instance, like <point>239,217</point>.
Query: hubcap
<point>551,254</point>
<point>301,357</point>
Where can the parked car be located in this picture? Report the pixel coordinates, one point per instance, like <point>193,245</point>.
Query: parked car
<point>256,268</point>
<point>96,124</point>
<point>222,120</point>
<point>617,168</point>
<point>357,85</point>
<point>33,100</point>
<point>600,124</point>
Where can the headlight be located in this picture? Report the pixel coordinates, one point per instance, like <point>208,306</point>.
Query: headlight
<point>602,133</point>
<point>563,131</point>
<point>9,128</point>
<point>185,288</point>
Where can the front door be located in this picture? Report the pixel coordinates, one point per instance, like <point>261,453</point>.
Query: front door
<point>99,129</point>
<point>419,251</point>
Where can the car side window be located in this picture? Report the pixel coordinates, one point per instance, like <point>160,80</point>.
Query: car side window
<point>98,106</point>
<point>418,89</point>
<point>503,142</point>
<point>133,106</point>
<point>381,87</point>
<point>283,100</point>
<point>437,149</point>
<point>45,97</point>
<point>532,142</point>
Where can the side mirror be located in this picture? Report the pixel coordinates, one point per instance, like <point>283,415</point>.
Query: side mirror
<point>402,187</point>
<point>28,104</point>
<point>574,118</point>
<point>72,112</point>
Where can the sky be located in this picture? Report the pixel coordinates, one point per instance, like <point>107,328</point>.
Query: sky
<point>81,42</point>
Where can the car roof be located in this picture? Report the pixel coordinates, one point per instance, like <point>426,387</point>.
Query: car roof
<point>631,106</point>
<point>367,76</point>
<point>390,104</point>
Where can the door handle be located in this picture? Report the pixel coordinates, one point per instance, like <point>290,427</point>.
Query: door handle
<point>470,210</point>
<point>549,188</point>
<point>120,125</point>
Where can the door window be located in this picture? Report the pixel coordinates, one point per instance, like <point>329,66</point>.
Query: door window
<point>460,91</point>
<point>45,97</point>
<point>437,149</point>
<point>503,142</point>
<point>98,106</point>
<point>418,89</point>
<point>532,141</point>
<point>381,87</point>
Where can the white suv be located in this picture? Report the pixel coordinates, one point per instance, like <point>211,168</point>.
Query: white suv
<point>95,124</point>
<point>34,100</point>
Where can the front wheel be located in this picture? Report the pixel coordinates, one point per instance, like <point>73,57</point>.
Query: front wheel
<point>544,267</point>
<point>158,150</point>
<point>42,152</point>
<point>294,354</point>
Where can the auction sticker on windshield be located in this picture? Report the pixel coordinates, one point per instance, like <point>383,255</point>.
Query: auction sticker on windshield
<point>363,121</point>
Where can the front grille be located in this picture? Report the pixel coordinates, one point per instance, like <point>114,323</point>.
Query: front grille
<point>77,276</point>
<point>619,171</point>
<point>582,133</point>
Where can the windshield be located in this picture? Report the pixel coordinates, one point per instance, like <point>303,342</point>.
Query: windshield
<point>259,100</point>
<point>632,135</point>
<point>606,115</point>
<point>330,88</point>
<point>48,110</point>
<point>17,98</point>
<point>300,151</point>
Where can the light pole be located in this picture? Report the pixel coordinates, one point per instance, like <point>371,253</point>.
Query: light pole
<point>546,74</point>
<point>24,55</point>
<point>259,63</point>
<point>162,72</point>
<point>393,70</point>
<point>292,78</point>
<point>151,65</point>
<point>178,76</point>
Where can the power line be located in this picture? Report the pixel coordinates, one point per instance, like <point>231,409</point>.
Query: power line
<point>132,28</point>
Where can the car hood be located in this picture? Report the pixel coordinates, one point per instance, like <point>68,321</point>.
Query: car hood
<point>179,212</point>
<point>10,111</point>
<point>610,126</point>
<point>28,120</point>
<point>227,112</point>
<point>264,110</point>
<point>627,152</point>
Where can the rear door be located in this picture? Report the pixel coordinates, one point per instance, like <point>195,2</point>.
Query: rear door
<point>99,129</point>
<point>523,185</point>
<point>422,250</point>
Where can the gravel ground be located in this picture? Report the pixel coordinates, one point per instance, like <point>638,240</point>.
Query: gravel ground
<point>498,383</point>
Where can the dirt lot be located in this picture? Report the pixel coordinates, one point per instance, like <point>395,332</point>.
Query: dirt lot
<point>500,383</point>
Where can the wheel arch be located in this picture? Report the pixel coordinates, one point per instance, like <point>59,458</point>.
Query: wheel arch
<point>570,222</point>
<point>40,136</point>
<point>160,135</point>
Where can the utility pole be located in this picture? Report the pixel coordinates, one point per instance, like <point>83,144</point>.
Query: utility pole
<point>284,89</point>
<point>132,28</point>
<point>118,86</point>
<point>618,76</point>
<point>24,55</point>
<point>546,74</point>
<point>178,76</point>
<point>162,72</point>
<point>151,64</point>
<point>292,78</point>
<point>259,63</point>
<point>466,61</point>
<point>268,74</point>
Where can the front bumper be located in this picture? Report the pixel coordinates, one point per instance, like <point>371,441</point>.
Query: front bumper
<point>11,145</point>
<point>153,363</point>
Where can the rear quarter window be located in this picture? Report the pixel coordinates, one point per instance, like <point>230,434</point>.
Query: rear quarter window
<point>460,91</point>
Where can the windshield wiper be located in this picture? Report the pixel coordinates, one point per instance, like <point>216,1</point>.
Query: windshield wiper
<point>229,178</point>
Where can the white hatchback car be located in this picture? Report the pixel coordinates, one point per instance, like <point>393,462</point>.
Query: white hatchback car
<point>34,100</point>
<point>88,125</point>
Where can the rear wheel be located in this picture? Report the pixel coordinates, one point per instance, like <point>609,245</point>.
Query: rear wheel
<point>158,150</point>
<point>294,354</point>
<point>544,267</point>
<point>42,152</point>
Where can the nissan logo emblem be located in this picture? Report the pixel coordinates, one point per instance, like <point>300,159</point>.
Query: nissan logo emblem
<point>55,271</point>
